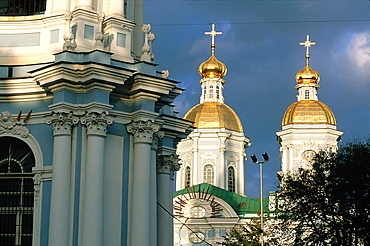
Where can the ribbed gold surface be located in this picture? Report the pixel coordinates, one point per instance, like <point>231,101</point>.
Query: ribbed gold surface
<point>212,68</point>
<point>308,112</point>
<point>307,75</point>
<point>214,115</point>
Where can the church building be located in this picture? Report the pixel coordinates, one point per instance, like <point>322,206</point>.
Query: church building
<point>88,134</point>
<point>308,125</point>
<point>210,200</point>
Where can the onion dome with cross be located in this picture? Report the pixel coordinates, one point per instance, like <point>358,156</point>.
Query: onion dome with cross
<point>212,112</point>
<point>212,68</point>
<point>308,109</point>
<point>307,75</point>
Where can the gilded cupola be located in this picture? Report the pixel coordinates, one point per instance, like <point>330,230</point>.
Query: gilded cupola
<point>212,68</point>
<point>308,109</point>
<point>307,75</point>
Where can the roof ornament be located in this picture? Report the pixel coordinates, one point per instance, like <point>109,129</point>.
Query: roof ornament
<point>213,33</point>
<point>307,44</point>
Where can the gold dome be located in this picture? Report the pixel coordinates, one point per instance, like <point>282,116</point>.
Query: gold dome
<point>214,115</point>
<point>212,68</point>
<point>307,75</point>
<point>308,112</point>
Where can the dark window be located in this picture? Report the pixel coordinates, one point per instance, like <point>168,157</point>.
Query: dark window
<point>187,177</point>
<point>16,192</point>
<point>22,7</point>
<point>231,179</point>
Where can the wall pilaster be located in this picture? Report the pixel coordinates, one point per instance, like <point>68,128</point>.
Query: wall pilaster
<point>93,210</point>
<point>59,227</point>
<point>166,166</point>
<point>142,132</point>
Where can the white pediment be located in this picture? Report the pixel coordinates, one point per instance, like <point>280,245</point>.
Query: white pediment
<point>209,155</point>
<point>232,157</point>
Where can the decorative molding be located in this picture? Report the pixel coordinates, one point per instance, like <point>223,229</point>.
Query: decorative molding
<point>168,164</point>
<point>68,37</point>
<point>12,126</point>
<point>99,35</point>
<point>41,174</point>
<point>147,55</point>
<point>142,130</point>
<point>62,123</point>
<point>156,137</point>
<point>96,123</point>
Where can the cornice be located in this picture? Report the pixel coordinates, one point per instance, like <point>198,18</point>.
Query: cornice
<point>80,73</point>
<point>25,89</point>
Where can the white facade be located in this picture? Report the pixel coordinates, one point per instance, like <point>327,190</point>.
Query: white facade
<point>220,149</point>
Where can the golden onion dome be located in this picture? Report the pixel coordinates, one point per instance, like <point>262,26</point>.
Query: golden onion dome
<point>307,75</point>
<point>214,115</point>
<point>212,68</point>
<point>308,112</point>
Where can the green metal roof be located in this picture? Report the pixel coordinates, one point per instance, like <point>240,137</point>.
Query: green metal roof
<point>241,204</point>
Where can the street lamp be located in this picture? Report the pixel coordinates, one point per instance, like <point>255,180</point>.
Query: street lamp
<point>255,161</point>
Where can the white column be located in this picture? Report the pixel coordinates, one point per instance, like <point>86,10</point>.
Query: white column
<point>137,33</point>
<point>195,170</point>
<point>59,226</point>
<point>284,159</point>
<point>84,4</point>
<point>290,161</point>
<point>92,221</point>
<point>166,165</point>
<point>240,177</point>
<point>141,202</point>
<point>116,8</point>
<point>56,6</point>
<point>222,167</point>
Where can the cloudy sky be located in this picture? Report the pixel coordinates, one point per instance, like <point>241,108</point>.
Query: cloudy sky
<point>259,46</point>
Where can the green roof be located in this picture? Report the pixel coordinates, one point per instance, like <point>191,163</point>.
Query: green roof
<point>241,204</point>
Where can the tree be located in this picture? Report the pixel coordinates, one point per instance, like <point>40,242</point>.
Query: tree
<point>245,235</point>
<point>330,203</point>
<point>250,234</point>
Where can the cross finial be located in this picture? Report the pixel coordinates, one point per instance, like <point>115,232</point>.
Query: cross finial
<point>307,44</point>
<point>213,33</point>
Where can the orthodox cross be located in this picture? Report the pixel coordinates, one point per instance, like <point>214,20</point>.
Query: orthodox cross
<point>213,33</point>
<point>307,44</point>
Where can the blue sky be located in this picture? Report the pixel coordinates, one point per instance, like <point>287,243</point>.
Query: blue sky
<point>259,46</point>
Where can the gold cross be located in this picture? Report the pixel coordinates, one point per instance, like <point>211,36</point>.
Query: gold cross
<point>213,33</point>
<point>307,44</point>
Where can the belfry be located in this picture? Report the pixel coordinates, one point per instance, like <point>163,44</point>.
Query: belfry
<point>308,125</point>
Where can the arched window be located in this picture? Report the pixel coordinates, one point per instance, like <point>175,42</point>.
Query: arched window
<point>231,179</point>
<point>217,92</point>
<point>211,91</point>
<point>208,176</point>
<point>16,192</point>
<point>187,177</point>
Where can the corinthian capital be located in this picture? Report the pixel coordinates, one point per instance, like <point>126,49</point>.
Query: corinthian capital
<point>168,163</point>
<point>143,130</point>
<point>96,123</point>
<point>62,122</point>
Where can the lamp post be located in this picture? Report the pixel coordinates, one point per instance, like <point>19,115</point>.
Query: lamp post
<point>255,161</point>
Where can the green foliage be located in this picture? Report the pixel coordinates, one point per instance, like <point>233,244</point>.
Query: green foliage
<point>246,235</point>
<point>330,203</point>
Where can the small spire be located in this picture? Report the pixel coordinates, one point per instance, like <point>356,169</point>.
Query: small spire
<point>213,33</point>
<point>307,44</point>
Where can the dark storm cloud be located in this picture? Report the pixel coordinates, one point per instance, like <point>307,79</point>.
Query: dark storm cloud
<point>260,48</point>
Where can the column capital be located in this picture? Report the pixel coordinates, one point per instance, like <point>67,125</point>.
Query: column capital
<point>62,123</point>
<point>168,164</point>
<point>96,123</point>
<point>142,130</point>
